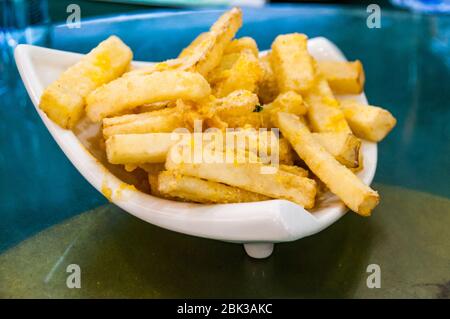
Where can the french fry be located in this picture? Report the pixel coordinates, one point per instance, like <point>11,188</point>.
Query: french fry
<point>153,182</point>
<point>291,62</point>
<point>63,100</point>
<point>327,118</point>
<point>172,64</point>
<point>324,114</point>
<point>372,123</point>
<point>286,153</point>
<point>289,102</point>
<point>255,120</point>
<point>126,93</point>
<point>252,140</point>
<point>193,189</point>
<point>360,166</point>
<point>263,146</point>
<point>194,45</point>
<point>244,74</point>
<point>344,147</point>
<point>153,170</point>
<point>162,121</point>
<point>341,181</point>
<point>154,106</point>
<point>343,77</point>
<point>281,184</point>
<point>227,25</point>
<point>238,45</point>
<point>267,87</point>
<point>296,170</point>
<point>206,55</point>
<point>236,103</point>
<point>129,118</point>
<point>221,72</point>
<point>137,149</point>
<point>205,52</point>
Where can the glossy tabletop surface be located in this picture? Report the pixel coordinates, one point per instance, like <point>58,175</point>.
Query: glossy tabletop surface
<point>51,217</point>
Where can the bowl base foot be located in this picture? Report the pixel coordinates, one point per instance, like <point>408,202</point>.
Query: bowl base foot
<point>259,250</point>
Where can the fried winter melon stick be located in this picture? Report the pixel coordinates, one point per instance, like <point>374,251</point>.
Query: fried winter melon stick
<point>339,179</point>
<point>286,153</point>
<point>205,55</point>
<point>342,76</point>
<point>139,148</point>
<point>289,102</point>
<point>255,120</point>
<point>227,25</point>
<point>153,147</point>
<point>173,184</point>
<point>267,87</point>
<point>372,123</point>
<point>294,170</point>
<point>156,121</point>
<point>344,147</point>
<point>127,93</point>
<point>236,103</point>
<point>244,74</point>
<point>63,100</point>
<point>248,176</point>
<point>238,45</point>
<point>324,114</point>
<point>164,121</point>
<point>291,62</point>
<point>221,72</point>
<point>171,64</point>
<point>205,52</point>
<point>154,106</point>
<point>198,42</point>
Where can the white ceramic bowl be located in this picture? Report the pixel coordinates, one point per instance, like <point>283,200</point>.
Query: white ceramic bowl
<point>257,225</point>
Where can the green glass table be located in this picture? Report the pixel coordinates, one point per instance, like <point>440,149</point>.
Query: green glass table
<point>51,218</point>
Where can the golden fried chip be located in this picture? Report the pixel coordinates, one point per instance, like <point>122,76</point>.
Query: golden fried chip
<point>63,100</point>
